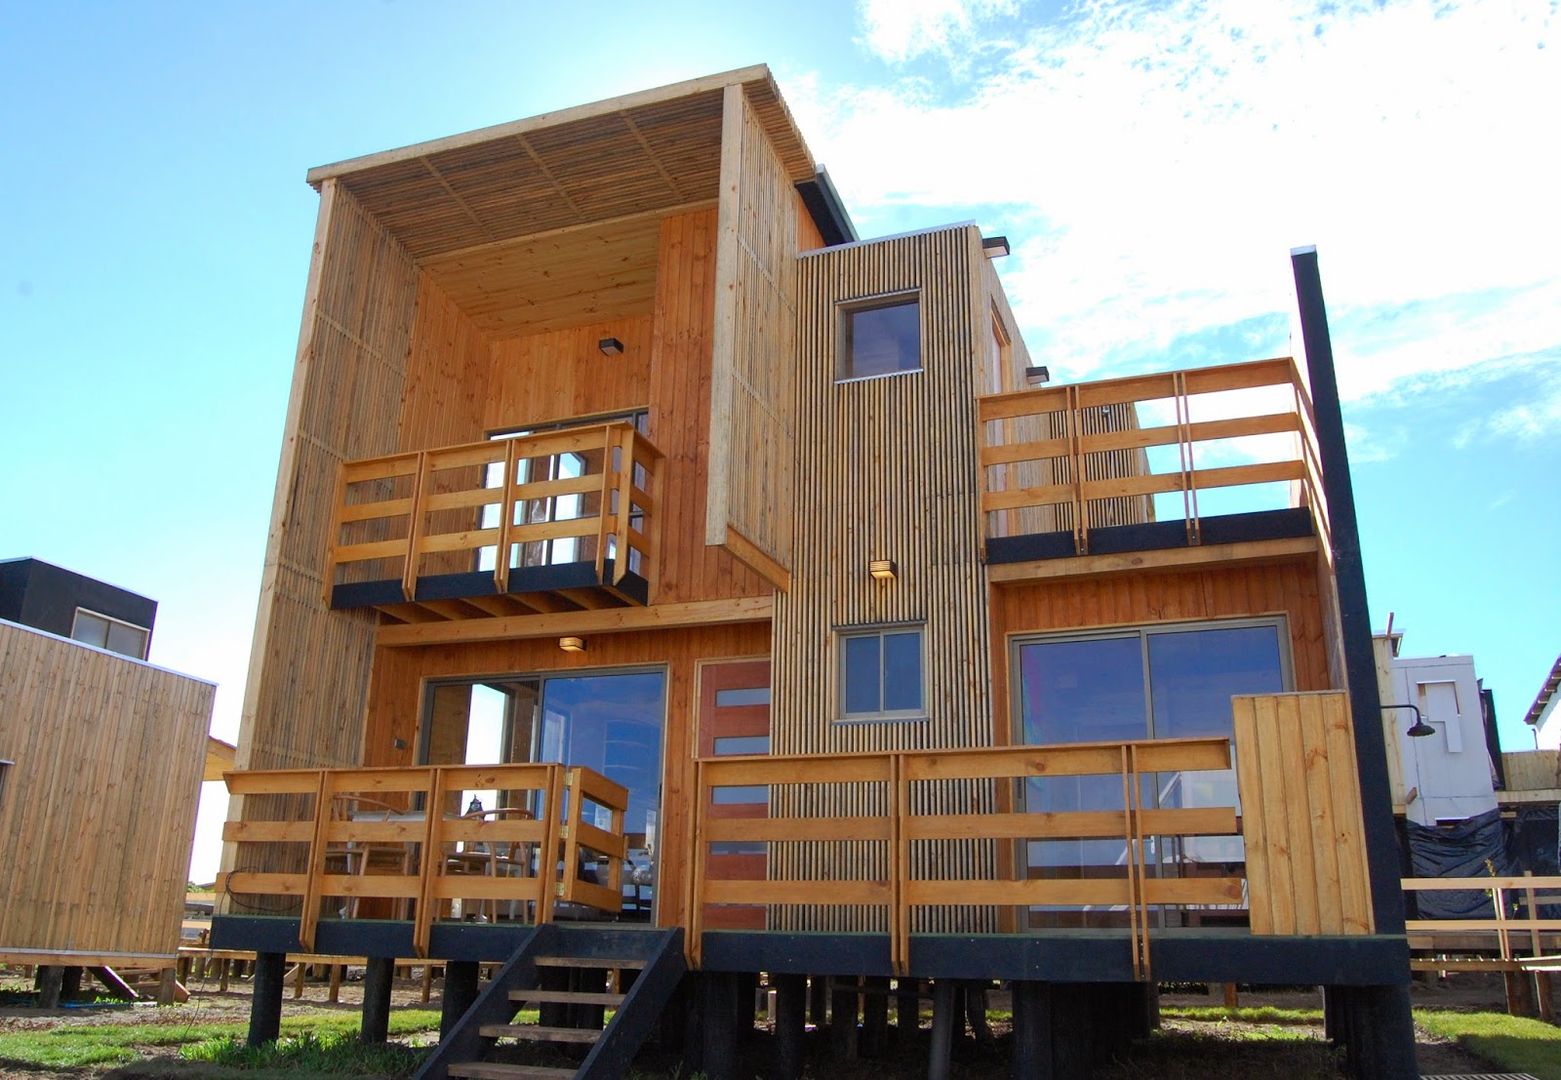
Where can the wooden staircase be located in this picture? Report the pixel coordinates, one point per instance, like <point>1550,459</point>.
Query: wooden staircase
<point>573,974</point>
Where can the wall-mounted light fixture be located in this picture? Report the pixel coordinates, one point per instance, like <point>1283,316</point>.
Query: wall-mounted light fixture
<point>1419,729</point>
<point>610,346</point>
<point>994,247</point>
<point>1037,375</point>
<point>881,569</point>
<point>572,644</point>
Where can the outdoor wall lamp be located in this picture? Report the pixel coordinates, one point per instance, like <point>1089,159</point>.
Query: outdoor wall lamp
<point>1419,729</point>
<point>881,569</point>
<point>572,644</point>
<point>610,346</point>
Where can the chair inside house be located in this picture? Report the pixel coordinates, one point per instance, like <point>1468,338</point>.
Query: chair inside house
<point>364,857</point>
<point>494,859</point>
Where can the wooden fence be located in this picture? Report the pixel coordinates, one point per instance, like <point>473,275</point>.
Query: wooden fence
<point>1516,925</point>
<point>409,513</point>
<point>898,826</point>
<point>397,835</point>
<point>1072,463</point>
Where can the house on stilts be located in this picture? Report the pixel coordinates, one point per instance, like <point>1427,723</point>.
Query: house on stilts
<point>667,587</point>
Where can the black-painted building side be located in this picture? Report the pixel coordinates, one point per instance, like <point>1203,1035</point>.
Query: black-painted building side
<point>46,597</point>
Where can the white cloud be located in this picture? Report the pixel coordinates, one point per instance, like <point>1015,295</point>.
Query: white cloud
<point>1154,164</point>
<point>902,30</point>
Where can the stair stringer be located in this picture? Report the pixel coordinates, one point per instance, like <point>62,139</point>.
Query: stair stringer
<point>640,1012</point>
<point>493,1006</point>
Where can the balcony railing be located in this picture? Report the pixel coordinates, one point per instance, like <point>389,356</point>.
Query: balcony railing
<point>532,513</point>
<point>397,838</point>
<point>1074,459</point>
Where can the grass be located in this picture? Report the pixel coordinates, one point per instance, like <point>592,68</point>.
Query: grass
<point>311,1054</point>
<point>68,1046</point>
<point>1264,1014</point>
<point>1514,1043</point>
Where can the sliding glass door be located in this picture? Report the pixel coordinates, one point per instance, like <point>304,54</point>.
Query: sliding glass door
<point>1161,682</point>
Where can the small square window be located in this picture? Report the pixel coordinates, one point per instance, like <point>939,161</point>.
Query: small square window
<point>880,337</point>
<point>881,674</point>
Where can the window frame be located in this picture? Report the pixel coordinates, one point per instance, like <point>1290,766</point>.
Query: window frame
<point>146,632</point>
<point>879,631</point>
<point>845,310</point>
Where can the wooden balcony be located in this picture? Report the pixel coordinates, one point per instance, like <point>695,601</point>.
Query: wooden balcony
<point>550,522</point>
<point>364,843</point>
<point>1230,452</point>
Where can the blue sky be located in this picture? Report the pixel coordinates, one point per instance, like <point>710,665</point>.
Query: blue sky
<point>1152,165</point>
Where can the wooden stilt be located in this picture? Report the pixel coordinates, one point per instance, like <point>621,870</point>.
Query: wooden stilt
<point>70,984</point>
<point>460,990</point>
<point>51,982</point>
<point>1032,1058</point>
<point>265,1008</point>
<point>333,993</point>
<point>378,977</point>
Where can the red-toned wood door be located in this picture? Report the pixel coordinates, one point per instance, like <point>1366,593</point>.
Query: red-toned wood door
<point>734,718</point>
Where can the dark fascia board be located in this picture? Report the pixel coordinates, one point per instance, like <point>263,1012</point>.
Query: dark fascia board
<point>827,210</point>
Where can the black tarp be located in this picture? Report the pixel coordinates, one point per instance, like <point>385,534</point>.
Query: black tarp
<point>1474,847</point>
<point>1534,839</point>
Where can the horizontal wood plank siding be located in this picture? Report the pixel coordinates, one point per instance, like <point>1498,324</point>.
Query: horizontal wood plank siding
<point>889,465</point>
<point>99,809</point>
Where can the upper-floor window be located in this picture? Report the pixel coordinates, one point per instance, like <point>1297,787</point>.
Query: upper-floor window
<point>881,336</point>
<point>115,635</point>
<point>881,674</point>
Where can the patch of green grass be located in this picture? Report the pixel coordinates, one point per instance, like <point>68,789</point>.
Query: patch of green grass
<point>331,1053</point>
<point>1264,1014</point>
<point>75,1045</point>
<point>1514,1043</point>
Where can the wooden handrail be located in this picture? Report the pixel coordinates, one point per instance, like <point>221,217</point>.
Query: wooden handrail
<point>327,833</point>
<point>1065,453</point>
<point>1531,891</point>
<point>898,826</point>
<point>385,507</point>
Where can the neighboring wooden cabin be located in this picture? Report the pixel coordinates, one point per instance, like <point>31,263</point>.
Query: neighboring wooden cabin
<point>616,463</point>
<point>97,812</point>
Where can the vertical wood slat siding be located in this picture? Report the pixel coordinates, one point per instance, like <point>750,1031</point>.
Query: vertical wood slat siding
<point>1301,814</point>
<point>562,374</point>
<point>1290,588</point>
<point>399,673</point>
<point>753,427</point>
<point>99,810</point>
<point>680,377</point>
<point>890,467</point>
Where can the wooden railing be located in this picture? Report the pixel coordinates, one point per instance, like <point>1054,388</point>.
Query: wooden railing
<point>1053,457</point>
<point>897,827</point>
<point>396,834</point>
<point>1511,931</point>
<point>444,506</point>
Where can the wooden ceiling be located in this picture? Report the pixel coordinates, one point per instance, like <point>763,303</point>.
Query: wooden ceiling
<point>619,158</point>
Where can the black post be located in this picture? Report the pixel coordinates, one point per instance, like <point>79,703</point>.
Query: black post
<point>460,990</point>
<point>943,1009</point>
<point>378,975</point>
<point>265,1002</point>
<point>875,1016</point>
<point>818,1000</point>
<point>70,983</point>
<point>1381,1013</point>
<point>1387,895</point>
<point>1032,1031</point>
<point>1072,1029</point>
<point>907,1010</point>
<point>51,983</point>
<point>842,1019</point>
<point>791,993</point>
<point>719,1006</point>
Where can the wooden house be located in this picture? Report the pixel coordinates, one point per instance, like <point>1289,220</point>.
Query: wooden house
<point>649,548</point>
<point>101,756</point>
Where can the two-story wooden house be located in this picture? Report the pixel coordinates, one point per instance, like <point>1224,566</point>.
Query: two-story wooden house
<point>663,578</point>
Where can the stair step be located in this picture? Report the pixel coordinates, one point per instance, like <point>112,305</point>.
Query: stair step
<point>609,963</point>
<point>537,1033</point>
<point>568,997</point>
<point>492,1070</point>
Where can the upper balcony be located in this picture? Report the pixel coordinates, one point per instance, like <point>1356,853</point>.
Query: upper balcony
<point>545,522</point>
<point>1206,461</point>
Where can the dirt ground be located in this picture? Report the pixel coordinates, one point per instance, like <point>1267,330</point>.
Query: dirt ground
<point>209,1005</point>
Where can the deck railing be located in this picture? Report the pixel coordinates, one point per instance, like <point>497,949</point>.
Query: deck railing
<point>397,835</point>
<point>1074,457</point>
<point>897,827</point>
<point>440,509</point>
<point>1516,924</point>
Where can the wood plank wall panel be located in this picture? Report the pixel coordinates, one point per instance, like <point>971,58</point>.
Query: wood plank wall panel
<point>680,372</point>
<point>890,467</point>
<point>446,391</point>
<point>99,809</point>
<point>1301,814</point>
<point>399,675</point>
<point>541,378</point>
<point>753,393</point>
<point>1288,588</point>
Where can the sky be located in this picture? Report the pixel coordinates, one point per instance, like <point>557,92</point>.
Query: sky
<point>1151,163</point>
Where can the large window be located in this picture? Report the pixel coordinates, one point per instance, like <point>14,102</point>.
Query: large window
<point>881,336</point>
<point>1161,682</point>
<point>124,638</point>
<point>881,674</point>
